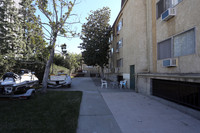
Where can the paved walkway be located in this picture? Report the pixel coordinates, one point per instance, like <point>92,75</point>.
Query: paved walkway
<point>136,113</point>
<point>122,111</point>
<point>95,116</point>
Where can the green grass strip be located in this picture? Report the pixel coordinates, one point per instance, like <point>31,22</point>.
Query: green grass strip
<point>54,112</point>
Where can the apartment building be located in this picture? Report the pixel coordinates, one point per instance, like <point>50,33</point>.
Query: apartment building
<point>128,50</point>
<point>155,46</point>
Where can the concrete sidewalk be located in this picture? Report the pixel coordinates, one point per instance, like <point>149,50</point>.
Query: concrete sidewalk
<point>122,111</point>
<point>137,113</point>
<point>95,116</point>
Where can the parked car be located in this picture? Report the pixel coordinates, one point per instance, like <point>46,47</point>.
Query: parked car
<point>59,80</point>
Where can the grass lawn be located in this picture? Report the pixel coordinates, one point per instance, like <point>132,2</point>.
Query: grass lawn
<point>54,112</point>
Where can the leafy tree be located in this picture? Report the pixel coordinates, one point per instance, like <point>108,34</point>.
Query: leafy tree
<point>71,61</point>
<point>57,12</point>
<point>21,38</point>
<point>11,35</point>
<point>35,51</point>
<point>32,31</point>
<point>61,61</point>
<point>58,59</point>
<point>74,61</point>
<point>95,36</point>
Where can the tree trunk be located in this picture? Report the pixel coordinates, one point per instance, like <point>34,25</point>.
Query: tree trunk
<point>47,70</point>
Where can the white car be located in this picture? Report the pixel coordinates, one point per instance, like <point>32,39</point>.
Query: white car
<point>59,81</point>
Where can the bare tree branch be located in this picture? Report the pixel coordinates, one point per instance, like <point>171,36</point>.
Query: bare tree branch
<point>47,38</point>
<point>45,24</point>
<point>45,13</point>
<point>46,29</point>
<point>61,9</point>
<point>68,36</point>
<point>55,9</point>
<point>68,13</point>
<point>72,23</point>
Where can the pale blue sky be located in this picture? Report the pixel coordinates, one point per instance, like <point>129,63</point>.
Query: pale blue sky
<point>83,10</point>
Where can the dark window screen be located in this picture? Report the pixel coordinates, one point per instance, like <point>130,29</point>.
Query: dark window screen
<point>160,8</point>
<point>164,49</point>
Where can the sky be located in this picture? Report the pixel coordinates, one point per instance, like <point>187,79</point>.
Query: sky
<point>83,10</point>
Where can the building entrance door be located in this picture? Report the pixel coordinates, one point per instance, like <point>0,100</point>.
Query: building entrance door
<point>132,77</point>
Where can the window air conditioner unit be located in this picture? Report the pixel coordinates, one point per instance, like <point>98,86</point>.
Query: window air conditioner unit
<point>169,13</point>
<point>170,62</point>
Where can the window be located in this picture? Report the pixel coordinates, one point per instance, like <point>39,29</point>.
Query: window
<point>159,8</point>
<point>175,2</point>
<point>163,5</point>
<point>184,44</point>
<point>164,49</point>
<point>120,63</point>
<point>111,52</point>
<point>119,44</point>
<point>178,45</point>
<point>111,38</point>
<point>119,26</point>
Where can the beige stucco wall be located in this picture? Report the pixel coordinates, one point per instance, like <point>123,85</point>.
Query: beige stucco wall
<point>144,85</point>
<point>135,50</point>
<point>187,17</point>
<point>133,33</point>
<point>134,36</point>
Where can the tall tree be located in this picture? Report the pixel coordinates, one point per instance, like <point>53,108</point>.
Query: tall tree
<point>57,12</point>
<point>21,37</point>
<point>11,35</point>
<point>95,36</point>
<point>32,32</point>
<point>3,48</point>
